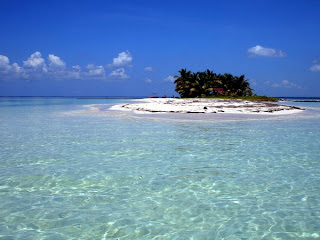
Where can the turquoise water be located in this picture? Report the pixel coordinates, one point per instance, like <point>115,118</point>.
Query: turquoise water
<point>69,171</point>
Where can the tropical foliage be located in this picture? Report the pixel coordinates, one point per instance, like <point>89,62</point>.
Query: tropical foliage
<point>208,83</point>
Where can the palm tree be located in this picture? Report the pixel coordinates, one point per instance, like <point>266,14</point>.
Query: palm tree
<point>209,83</point>
<point>227,83</point>
<point>183,83</point>
<point>201,84</point>
<point>242,86</point>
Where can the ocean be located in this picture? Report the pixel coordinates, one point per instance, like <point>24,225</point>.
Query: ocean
<point>72,169</point>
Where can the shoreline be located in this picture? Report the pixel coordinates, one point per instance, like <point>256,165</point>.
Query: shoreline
<point>206,106</point>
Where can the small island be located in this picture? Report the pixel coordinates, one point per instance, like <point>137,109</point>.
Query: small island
<point>208,92</point>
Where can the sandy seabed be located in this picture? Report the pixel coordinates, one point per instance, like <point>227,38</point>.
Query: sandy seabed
<point>207,106</point>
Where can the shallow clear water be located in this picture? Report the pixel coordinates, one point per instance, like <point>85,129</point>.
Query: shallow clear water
<point>69,171</point>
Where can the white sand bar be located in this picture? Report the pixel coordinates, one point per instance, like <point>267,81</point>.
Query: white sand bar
<point>210,106</point>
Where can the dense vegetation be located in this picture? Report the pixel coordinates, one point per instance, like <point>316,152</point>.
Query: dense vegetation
<point>208,83</point>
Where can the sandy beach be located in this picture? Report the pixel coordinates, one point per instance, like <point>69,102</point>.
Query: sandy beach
<point>207,106</point>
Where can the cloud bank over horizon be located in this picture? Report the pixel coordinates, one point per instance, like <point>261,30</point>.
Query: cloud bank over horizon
<point>37,68</point>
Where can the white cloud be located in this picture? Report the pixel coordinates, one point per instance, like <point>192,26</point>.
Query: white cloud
<point>95,71</point>
<point>315,68</point>
<point>123,59</point>
<point>76,68</point>
<point>16,68</point>
<point>285,84</point>
<point>148,80</point>
<point>35,63</point>
<point>91,66</point>
<point>74,73</point>
<point>4,63</point>
<point>9,72</point>
<point>119,73</point>
<point>170,78</point>
<point>55,63</point>
<point>148,69</point>
<point>266,52</point>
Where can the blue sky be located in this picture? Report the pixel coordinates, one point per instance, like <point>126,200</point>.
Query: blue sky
<point>134,48</point>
